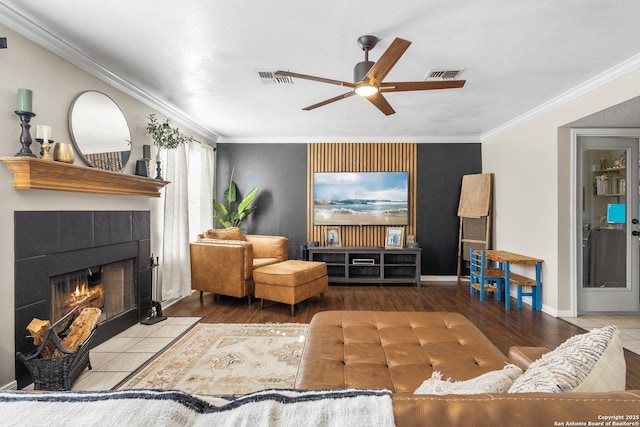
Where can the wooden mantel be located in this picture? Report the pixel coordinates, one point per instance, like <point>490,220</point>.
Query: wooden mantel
<point>34,173</point>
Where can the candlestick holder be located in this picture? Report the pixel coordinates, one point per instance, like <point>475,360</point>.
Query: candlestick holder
<point>158,170</point>
<point>25,136</point>
<point>41,141</point>
<point>45,151</point>
<point>146,156</point>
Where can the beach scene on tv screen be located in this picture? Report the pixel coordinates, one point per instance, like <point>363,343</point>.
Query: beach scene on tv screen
<point>360,198</point>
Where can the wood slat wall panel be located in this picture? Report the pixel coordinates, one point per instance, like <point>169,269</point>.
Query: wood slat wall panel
<point>360,157</point>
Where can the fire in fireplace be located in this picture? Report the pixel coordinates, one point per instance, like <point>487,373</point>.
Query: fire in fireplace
<point>108,287</point>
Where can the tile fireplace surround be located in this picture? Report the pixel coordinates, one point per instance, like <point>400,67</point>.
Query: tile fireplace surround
<point>49,243</point>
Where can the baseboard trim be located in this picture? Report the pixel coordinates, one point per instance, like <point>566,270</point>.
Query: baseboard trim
<point>169,303</point>
<point>13,385</point>
<point>438,278</point>
<point>557,313</point>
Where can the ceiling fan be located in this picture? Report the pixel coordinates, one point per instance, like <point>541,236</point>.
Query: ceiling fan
<point>368,77</point>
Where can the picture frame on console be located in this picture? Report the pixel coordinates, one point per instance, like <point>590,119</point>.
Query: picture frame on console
<point>333,237</point>
<point>394,239</point>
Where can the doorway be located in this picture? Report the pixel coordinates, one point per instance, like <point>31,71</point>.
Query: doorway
<point>607,212</point>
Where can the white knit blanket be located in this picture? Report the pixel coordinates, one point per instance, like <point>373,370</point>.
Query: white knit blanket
<point>348,407</point>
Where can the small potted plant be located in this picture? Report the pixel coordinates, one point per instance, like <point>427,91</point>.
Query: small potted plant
<point>164,136</point>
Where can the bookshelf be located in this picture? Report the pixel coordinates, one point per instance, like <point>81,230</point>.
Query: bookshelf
<point>610,182</point>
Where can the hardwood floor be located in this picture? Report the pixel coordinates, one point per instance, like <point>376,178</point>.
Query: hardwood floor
<point>523,327</point>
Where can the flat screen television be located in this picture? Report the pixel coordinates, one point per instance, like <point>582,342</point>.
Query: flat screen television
<point>361,198</point>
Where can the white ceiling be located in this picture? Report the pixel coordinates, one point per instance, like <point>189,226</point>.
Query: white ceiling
<point>198,60</point>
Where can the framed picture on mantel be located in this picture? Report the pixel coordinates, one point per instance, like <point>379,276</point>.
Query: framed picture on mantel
<point>394,238</point>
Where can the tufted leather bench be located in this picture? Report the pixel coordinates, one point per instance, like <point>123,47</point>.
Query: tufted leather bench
<point>399,350</point>
<point>392,350</point>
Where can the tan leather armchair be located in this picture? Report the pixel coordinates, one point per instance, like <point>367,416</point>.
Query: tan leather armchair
<point>222,261</point>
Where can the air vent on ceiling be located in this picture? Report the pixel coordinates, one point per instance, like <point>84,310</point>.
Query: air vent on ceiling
<point>443,74</point>
<point>271,78</point>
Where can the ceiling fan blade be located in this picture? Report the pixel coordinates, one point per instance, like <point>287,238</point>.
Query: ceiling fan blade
<point>381,102</point>
<point>423,85</point>
<point>329,101</point>
<point>314,78</point>
<point>386,62</point>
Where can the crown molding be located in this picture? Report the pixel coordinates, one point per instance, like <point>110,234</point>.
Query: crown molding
<point>51,42</point>
<point>622,69</point>
<point>363,139</point>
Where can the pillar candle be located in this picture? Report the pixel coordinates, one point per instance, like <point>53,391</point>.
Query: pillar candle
<point>146,151</point>
<point>44,132</point>
<point>25,97</point>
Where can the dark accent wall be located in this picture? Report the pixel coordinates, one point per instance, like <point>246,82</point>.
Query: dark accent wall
<point>279,171</point>
<point>440,171</point>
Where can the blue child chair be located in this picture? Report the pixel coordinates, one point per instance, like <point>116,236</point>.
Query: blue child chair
<point>484,279</point>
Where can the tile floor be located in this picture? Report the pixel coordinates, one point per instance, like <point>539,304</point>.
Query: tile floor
<point>628,324</point>
<point>118,357</point>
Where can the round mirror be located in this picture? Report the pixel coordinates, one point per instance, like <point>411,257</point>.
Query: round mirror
<point>99,131</point>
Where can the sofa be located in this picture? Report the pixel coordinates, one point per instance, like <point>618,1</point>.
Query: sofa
<point>223,260</point>
<point>400,351</point>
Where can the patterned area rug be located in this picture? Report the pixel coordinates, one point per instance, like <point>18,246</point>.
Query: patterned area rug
<point>227,359</point>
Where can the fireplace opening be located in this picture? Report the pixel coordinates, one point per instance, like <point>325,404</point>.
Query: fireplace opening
<point>109,287</point>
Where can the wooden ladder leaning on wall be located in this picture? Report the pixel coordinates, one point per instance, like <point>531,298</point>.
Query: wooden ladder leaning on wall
<point>474,211</point>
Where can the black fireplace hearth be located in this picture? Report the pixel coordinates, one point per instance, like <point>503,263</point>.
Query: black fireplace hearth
<point>56,246</point>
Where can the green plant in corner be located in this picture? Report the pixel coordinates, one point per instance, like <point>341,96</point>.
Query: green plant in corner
<point>229,217</point>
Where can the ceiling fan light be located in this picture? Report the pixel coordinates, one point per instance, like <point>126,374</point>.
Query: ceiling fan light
<point>366,90</point>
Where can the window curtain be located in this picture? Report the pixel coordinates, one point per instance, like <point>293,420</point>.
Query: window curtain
<point>176,266</point>
<point>201,181</point>
<point>207,181</point>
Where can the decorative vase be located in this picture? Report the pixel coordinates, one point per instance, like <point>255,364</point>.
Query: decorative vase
<point>141,168</point>
<point>63,152</point>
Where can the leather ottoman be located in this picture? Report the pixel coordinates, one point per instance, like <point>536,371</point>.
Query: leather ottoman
<point>396,351</point>
<point>291,281</point>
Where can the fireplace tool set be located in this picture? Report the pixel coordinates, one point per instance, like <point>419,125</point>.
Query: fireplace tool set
<point>155,314</point>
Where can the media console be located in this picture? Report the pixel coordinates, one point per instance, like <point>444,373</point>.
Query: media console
<point>369,265</point>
